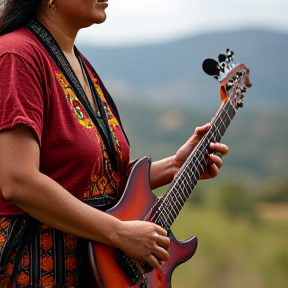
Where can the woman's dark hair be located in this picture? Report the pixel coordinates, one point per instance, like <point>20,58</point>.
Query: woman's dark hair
<point>16,14</point>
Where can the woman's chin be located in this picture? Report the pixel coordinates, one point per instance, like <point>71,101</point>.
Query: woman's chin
<point>100,18</point>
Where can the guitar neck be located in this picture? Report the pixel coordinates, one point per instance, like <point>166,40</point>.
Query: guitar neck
<point>169,205</point>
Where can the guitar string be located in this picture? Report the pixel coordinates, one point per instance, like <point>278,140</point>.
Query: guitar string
<point>186,185</point>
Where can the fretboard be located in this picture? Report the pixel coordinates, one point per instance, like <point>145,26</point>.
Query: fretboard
<point>169,205</point>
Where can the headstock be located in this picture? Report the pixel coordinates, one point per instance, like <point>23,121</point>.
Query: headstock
<point>233,78</point>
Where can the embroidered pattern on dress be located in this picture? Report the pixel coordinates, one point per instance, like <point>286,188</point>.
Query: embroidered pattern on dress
<point>108,181</point>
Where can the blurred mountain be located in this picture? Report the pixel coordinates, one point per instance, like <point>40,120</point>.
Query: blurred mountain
<point>171,73</point>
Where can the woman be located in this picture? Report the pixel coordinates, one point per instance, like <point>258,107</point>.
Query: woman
<point>63,147</point>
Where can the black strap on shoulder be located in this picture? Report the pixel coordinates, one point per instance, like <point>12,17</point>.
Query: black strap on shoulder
<point>107,95</point>
<point>100,121</point>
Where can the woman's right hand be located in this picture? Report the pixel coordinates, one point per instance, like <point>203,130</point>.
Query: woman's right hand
<point>143,240</point>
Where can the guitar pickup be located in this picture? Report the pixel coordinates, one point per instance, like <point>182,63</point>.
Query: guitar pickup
<point>128,267</point>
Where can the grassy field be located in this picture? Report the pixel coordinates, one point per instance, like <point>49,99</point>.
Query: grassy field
<point>233,253</point>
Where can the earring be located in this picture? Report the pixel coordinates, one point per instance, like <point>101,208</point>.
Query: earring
<point>51,5</point>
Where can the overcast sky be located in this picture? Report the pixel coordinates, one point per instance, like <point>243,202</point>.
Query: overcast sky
<point>147,21</point>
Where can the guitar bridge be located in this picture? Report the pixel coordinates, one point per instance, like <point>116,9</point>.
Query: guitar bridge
<point>129,268</point>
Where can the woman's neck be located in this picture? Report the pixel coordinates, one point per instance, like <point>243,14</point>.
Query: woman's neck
<point>64,36</point>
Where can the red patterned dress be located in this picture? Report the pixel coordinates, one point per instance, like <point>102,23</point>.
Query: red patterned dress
<point>35,92</point>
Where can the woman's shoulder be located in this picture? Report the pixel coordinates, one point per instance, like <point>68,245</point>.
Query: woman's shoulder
<point>22,43</point>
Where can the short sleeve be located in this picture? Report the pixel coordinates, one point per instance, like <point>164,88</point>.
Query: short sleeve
<point>21,94</point>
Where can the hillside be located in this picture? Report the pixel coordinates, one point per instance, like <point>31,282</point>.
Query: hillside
<point>171,73</point>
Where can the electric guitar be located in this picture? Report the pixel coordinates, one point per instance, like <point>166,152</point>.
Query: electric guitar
<point>111,267</point>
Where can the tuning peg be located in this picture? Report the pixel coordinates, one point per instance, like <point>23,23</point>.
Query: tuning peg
<point>229,53</point>
<point>243,90</point>
<point>240,104</point>
<point>221,58</point>
<point>211,67</point>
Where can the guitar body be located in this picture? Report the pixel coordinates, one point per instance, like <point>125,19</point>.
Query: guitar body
<point>135,204</point>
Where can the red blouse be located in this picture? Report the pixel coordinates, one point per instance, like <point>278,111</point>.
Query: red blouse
<point>35,92</point>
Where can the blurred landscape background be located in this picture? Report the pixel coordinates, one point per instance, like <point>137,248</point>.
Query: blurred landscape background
<point>241,217</point>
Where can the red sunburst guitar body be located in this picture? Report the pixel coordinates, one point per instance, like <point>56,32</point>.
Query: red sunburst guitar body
<point>111,267</point>
<point>135,204</point>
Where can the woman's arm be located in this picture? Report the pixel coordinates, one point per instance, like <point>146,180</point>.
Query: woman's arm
<point>163,171</point>
<point>22,184</point>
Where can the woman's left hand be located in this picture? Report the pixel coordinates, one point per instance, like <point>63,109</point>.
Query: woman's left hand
<point>215,158</point>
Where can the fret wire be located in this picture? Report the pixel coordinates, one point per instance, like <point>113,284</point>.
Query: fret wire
<point>163,215</point>
<point>188,178</point>
<point>168,199</point>
<point>176,212</point>
<point>217,129</point>
<point>176,208</point>
<point>174,215</point>
<point>176,201</point>
<point>167,214</point>
<point>186,183</point>
<point>223,125</point>
<point>158,219</point>
<point>185,188</point>
<point>170,214</point>
<point>180,200</point>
